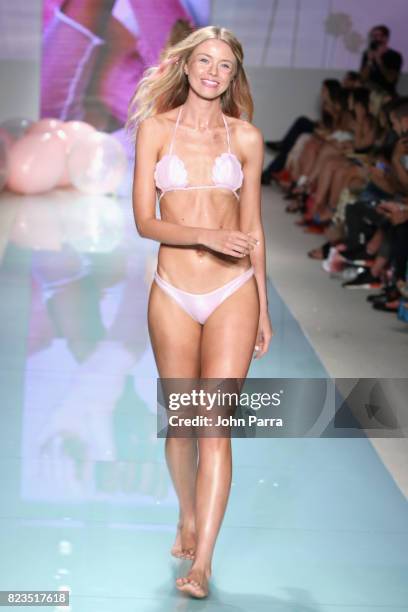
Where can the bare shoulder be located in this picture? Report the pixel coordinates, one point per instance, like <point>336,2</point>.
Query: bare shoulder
<point>167,119</point>
<point>148,130</point>
<point>157,126</point>
<point>247,136</point>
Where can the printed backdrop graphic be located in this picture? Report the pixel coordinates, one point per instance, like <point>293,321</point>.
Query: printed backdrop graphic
<point>94,53</point>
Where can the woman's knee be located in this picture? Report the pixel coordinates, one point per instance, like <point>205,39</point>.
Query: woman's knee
<point>209,445</point>
<point>330,164</point>
<point>312,145</point>
<point>327,151</point>
<point>186,443</point>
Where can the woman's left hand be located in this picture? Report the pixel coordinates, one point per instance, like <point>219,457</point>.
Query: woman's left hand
<point>264,335</point>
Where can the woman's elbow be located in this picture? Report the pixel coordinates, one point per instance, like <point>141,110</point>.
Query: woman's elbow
<point>141,228</point>
<point>144,227</point>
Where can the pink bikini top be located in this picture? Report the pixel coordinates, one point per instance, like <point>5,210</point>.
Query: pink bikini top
<point>171,174</point>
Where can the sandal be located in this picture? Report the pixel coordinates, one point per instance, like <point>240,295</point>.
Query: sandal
<point>386,306</point>
<point>304,221</point>
<point>314,229</point>
<point>317,220</point>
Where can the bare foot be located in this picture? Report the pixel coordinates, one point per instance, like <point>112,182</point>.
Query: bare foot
<point>185,542</point>
<point>403,288</point>
<point>195,583</point>
<point>326,215</point>
<point>316,253</point>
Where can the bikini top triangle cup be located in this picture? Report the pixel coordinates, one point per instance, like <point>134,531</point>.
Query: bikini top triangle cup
<point>171,174</point>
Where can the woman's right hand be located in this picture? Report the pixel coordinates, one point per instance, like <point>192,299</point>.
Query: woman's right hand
<point>229,242</point>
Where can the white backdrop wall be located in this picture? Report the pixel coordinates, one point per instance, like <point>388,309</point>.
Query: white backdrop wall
<point>282,86</point>
<point>310,33</point>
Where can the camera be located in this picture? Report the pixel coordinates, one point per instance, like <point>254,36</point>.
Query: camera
<point>374,44</point>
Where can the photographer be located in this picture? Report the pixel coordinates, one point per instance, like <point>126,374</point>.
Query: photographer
<point>380,65</point>
<point>400,153</point>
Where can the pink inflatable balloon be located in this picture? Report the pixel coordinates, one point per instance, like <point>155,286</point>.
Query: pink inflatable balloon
<point>36,163</point>
<point>45,125</point>
<point>74,131</point>
<point>77,129</point>
<point>7,137</point>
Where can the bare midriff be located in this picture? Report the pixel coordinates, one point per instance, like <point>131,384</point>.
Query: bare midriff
<point>196,268</point>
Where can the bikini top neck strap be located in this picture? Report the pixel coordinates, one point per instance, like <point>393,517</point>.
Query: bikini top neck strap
<point>175,129</point>
<point>228,133</point>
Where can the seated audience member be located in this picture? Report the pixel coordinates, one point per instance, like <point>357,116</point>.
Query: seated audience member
<point>380,65</point>
<point>348,175</point>
<point>359,175</point>
<point>397,214</point>
<point>329,96</point>
<point>339,161</point>
<point>323,143</point>
<point>351,80</point>
<point>373,217</point>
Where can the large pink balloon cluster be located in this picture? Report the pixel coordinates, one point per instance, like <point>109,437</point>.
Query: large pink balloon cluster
<point>38,156</point>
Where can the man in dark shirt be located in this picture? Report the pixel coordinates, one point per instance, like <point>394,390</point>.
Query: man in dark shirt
<point>380,65</point>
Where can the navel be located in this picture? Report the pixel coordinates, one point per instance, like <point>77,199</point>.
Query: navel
<point>200,252</point>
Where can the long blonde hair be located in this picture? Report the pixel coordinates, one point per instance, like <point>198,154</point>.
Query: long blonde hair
<point>180,30</point>
<point>166,86</point>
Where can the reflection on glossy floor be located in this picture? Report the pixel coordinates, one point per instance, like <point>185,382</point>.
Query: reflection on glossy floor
<point>312,525</point>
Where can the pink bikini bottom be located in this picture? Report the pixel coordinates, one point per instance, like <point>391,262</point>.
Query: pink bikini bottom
<point>200,305</point>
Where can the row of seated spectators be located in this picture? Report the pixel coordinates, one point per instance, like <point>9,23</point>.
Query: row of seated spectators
<point>347,174</point>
